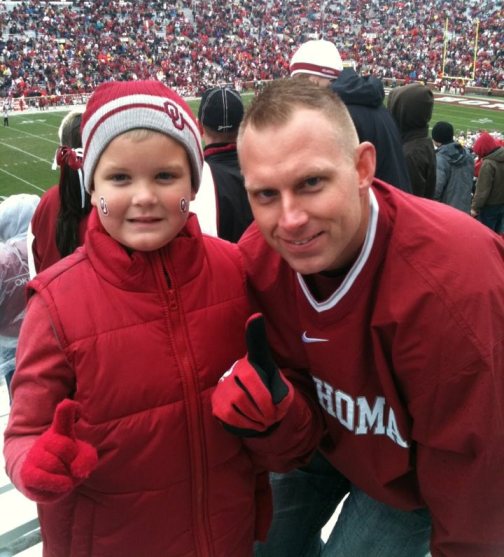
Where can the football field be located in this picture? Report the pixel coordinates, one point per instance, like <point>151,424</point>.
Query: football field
<point>28,145</point>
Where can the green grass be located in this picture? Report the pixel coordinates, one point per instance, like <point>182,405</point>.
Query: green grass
<point>28,145</point>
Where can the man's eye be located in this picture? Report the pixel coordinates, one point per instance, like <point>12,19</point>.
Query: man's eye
<point>265,195</point>
<point>313,181</point>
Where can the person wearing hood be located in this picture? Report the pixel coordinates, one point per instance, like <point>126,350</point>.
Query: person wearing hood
<point>455,169</point>
<point>411,107</point>
<point>320,61</point>
<point>488,201</point>
<point>15,214</point>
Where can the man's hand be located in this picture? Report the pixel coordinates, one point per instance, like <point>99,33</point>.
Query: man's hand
<point>58,461</point>
<point>253,396</point>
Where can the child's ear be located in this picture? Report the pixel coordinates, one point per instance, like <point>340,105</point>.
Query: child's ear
<point>94,201</point>
<point>193,194</point>
<point>200,127</point>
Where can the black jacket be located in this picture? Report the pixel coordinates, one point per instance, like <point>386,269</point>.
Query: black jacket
<point>233,208</point>
<point>411,106</point>
<point>363,97</point>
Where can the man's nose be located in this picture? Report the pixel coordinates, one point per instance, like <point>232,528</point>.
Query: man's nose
<point>293,215</point>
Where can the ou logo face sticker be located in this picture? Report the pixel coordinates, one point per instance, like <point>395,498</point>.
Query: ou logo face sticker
<point>103,206</point>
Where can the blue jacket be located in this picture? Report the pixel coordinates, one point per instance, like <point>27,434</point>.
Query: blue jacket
<point>454,176</point>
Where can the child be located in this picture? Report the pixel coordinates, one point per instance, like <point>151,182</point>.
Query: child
<point>111,429</point>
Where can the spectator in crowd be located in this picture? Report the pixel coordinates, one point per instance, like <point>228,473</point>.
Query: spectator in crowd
<point>59,223</point>
<point>374,294</point>
<point>455,169</point>
<point>15,214</point>
<point>488,201</point>
<point>123,342</point>
<point>319,60</point>
<point>222,205</point>
<point>222,42</point>
<point>411,106</point>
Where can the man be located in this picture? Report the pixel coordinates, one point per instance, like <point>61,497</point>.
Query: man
<point>411,107</point>
<point>320,62</point>
<point>221,205</point>
<point>374,294</point>
<point>455,169</point>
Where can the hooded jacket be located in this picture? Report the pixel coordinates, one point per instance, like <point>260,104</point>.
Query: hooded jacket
<point>363,97</point>
<point>15,214</point>
<point>411,106</point>
<point>455,171</point>
<point>490,184</point>
<point>142,353</point>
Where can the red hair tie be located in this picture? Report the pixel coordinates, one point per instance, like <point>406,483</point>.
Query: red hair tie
<point>69,157</point>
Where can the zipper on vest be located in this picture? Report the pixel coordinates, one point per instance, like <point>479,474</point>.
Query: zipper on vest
<point>181,346</point>
<point>172,298</point>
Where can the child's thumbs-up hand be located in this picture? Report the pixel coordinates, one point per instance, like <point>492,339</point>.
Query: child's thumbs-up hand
<point>58,461</point>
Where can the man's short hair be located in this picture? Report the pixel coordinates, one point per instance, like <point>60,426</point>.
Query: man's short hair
<point>275,105</point>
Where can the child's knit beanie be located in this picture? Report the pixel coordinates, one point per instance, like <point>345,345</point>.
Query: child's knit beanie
<point>119,106</point>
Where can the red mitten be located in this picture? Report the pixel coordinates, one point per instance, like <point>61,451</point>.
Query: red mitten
<point>58,461</point>
<point>253,396</point>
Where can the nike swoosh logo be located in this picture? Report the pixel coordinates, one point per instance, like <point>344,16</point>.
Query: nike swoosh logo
<point>307,339</point>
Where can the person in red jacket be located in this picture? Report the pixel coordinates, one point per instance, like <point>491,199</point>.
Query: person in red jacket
<point>394,306</point>
<point>59,223</point>
<point>111,430</point>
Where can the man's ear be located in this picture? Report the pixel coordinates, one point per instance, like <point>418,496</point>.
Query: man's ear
<point>365,164</point>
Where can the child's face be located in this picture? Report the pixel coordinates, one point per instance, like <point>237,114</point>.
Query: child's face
<point>142,188</point>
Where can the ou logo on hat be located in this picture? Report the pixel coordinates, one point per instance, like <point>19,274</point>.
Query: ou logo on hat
<point>173,112</point>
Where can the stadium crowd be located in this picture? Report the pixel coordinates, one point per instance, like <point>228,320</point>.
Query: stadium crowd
<point>63,48</point>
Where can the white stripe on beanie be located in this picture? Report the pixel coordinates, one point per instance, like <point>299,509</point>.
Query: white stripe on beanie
<point>158,112</point>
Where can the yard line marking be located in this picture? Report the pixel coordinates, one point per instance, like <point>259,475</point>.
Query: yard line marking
<point>25,152</point>
<point>21,180</point>
<point>42,138</point>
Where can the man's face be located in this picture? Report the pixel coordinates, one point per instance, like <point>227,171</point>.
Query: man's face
<point>309,196</point>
